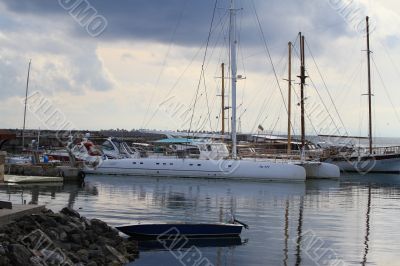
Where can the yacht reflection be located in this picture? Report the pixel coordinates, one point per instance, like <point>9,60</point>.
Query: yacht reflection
<point>376,179</point>
<point>191,188</point>
<point>171,244</point>
<point>286,235</point>
<point>367,228</point>
<point>36,190</point>
<point>299,232</point>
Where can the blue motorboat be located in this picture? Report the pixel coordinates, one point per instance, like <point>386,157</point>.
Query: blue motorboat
<point>189,230</point>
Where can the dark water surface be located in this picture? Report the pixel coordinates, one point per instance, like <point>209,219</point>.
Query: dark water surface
<point>351,221</point>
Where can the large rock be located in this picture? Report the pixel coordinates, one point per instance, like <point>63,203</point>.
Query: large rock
<point>83,255</point>
<point>4,261</point>
<point>99,226</point>
<point>3,250</point>
<point>76,238</point>
<point>70,212</point>
<point>19,255</point>
<point>115,254</point>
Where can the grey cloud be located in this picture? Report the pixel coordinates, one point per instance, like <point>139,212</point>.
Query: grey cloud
<point>47,28</point>
<point>60,61</point>
<point>156,20</point>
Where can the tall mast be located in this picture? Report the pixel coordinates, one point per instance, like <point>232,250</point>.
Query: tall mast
<point>26,101</point>
<point>369,89</point>
<point>223,101</point>
<point>233,42</point>
<point>302,84</point>
<point>289,144</point>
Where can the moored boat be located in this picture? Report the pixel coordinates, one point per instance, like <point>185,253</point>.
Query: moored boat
<point>213,160</point>
<point>371,159</point>
<point>189,230</point>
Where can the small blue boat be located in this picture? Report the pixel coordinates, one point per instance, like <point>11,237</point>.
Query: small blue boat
<point>189,230</point>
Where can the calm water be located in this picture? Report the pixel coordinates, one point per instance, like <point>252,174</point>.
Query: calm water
<point>348,222</point>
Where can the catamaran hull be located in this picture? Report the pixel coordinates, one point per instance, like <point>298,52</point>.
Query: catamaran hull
<point>368,164</point>
<point>320,170</point>
<point>197,168</point>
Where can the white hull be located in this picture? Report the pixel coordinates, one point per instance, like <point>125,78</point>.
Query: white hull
<point>320,170</point>
<point>198,168</point>
<point>369,164</point>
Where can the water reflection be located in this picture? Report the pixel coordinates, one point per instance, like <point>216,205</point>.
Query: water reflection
<point>166,245</point>
<point>338,212</point>
<point>299,232</point>
<point>42,193</point>
<point>367,228</point>
<point>286,235</point>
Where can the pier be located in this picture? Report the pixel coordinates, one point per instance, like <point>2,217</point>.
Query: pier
<point>17,211</point>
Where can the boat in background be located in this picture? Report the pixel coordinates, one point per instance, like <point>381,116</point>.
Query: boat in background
<point>368,159</point>
<point>19,160</point>
<point>213,161</point>
<point>302,153</point>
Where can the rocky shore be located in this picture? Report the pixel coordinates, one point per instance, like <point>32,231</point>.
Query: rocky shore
<point>64,238</point>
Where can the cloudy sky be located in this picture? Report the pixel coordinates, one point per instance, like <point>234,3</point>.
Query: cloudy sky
<point>138,64</point>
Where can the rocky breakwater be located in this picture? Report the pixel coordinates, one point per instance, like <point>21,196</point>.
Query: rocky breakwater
<point>64,238</point>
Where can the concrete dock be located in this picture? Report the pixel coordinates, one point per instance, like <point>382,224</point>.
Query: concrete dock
<point>17,211</point>
<point>68,173</point>
<point>32,179</point>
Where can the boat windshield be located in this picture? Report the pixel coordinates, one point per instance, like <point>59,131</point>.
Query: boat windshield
<point>107,145</point>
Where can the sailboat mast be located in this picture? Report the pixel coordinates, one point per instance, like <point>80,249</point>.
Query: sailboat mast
<point>302,84</point>
<point>26,102</point>
<point>289,144</point>
<point>369,89</point>
<point>223,101</point>
<point>233,42</point>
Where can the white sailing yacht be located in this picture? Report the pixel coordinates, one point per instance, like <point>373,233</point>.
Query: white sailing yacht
<point>217,165</point>
<point>369,160</point>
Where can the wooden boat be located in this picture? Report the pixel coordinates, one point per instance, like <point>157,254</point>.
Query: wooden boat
<point>370,159</point>
<point>189,230</point>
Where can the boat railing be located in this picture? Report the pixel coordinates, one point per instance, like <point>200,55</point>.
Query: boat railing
<point>386,150</point>
<point>364,151</point>
<point>282,155</point>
